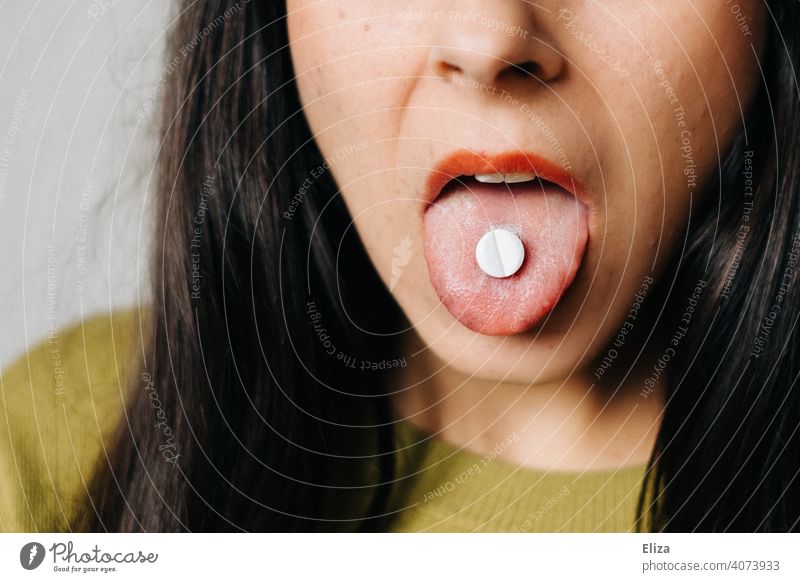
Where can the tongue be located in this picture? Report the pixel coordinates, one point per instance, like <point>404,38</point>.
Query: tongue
<point>552,226</point>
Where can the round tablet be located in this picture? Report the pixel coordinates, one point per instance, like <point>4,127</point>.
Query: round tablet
<point>499,253</point>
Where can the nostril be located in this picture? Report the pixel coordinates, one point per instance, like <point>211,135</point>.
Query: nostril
<point>525,70</point>
<point>530,68</point>
<point>445,69</point>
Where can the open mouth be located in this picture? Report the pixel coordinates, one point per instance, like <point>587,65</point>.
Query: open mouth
<point>509,180</point>
<point>504,238</point>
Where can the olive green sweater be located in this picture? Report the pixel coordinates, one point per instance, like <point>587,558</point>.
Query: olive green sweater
<point>60,402</point>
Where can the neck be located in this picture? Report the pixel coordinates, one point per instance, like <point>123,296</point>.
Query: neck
<point>569,425</point>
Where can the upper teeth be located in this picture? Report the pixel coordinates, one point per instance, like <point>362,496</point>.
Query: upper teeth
<point>498,178</point>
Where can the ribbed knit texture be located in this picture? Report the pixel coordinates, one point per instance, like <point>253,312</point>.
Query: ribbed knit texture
<point>447,489</point>
<point>60,402</point>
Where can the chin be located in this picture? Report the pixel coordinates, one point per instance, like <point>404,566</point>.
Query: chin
<point>533,357</point>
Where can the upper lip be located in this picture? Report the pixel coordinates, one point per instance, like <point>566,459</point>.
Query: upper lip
<point>469,163</point>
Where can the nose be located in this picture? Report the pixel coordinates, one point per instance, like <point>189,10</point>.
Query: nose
<point>487,40</point>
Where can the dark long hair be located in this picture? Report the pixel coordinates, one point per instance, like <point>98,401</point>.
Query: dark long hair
<point>727,456</point>
<point>271,431</point>
<point>260,426</point>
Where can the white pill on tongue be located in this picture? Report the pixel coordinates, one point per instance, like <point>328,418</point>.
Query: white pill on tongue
<point>554,227</point>
<point>499,253</point>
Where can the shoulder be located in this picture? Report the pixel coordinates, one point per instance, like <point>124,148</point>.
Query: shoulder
<point>59,404</point>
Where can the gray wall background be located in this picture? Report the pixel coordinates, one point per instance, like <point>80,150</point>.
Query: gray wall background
<point>78,80</point>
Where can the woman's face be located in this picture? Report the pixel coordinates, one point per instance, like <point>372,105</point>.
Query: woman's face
<point>623,106</point>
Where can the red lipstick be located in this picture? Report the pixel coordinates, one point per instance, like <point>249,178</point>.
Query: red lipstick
<point>468,163</point>
<point>547,216</point>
